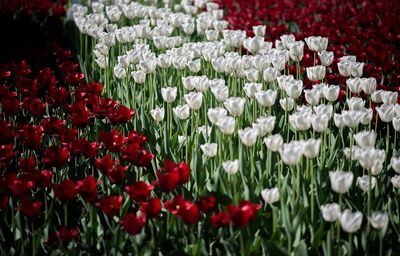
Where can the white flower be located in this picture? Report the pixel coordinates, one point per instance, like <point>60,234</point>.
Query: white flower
<point>264,125</point>
<point>270,195</point>
<point>287,103</point>
<point>194,100</point>
<point>209,149</point>
<point>356,103</point>
<point>312,96</point>
<point>251,89</point>
<point>357,69</point>
<point>311,148</point>
<point>169,94</point>
<point>139,76</point>
<point>221,92</point>
<point>319,122</point>
<point>396,181</point>
<point>354,84</point>
<point>252,75</point>
<point>316,73</point>
<point>226,124</point>
<point>205,131</point>
<point>266,98</point>
<point>259,30</point>
<point>389,98</point>
<point>248,136</point>
<point>181,139</point>
<point>214,114</point>
<point>157,114</point>
<point>341,181</point>
<point>300,121</point>
<point>363,183</point>
<point>368,85</point>
<point>395,164</point>
<point>344,67</point>
<point>231,167</point>
<point>317,43</point>
<point>331,92</point>
<point>365,139</point>
<point>294,88</point>
<point>350,221</point>
<point>376,96</point>
<point>119,72</point>
<point>396,123</point>
<point>371,159</point>
<point>182,112</point>
<point>274,142</point>
<point>235,105</point>
<point>270,74</point>
<point>287,40</point>
<point>330,212</point>
<point>379,220</point>
<point>188,83</point>
<point>385,112</point>
<point>326,58</point>
<point>291,153</point>
<point>296,50</point>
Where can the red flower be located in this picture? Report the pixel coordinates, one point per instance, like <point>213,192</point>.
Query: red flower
<point>22,188</point>
<point>6,152</point>
<point>219,219</point>
<point>113,141</point>
<point>120,115</point>
<point>32,136</point>
<point>136,138</point>
<point>168,181</point>
<point>173,205</point>
<point>139,191</point>
<point>27,165</point>
<point>63,235</point>
<point>10,104</point>
<point>241,215</point>
<point>151,208</point>
<point>110,205</point>
<point>29,208</point>
<point>65,191</point>
<point>55,156</point>
<point>35,106</point>
<point>43,179</point>
<point>188,212</point>
<point>87,188</point>
<point>53,125</point>
<point>133,224</point>
<point>137,155</point>
<point>85,147</point>
<point>57,96</point>
<point>104,107</point>
<point>74,78</point>
<point>67,135</point>
<point>104,164</point>
<point>6,133</point>
<point>183,169</point>
<point>206,204</point>
<point>117,174</point>
<point>4,201</point>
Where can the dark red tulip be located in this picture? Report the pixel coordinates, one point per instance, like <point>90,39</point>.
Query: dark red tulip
<point>55,156</point>
<point>10,105</point>
<point>220,219</point>
<point>135,137</point>
<point>151,208</point>
<point>206,204</point>
<point>137,155</point>
<point>65,191</point>
<point>113,141</point>
<point>85,147</point>
<point>110,205</point>
<point>52,125</point>
<point>133,224</point>
<point>104,164</point>
<point>31,136</point>
<point>117,175</point>
<point>183,169</point>
<point>241,215</point>
<point>22,188</point>
<point>29,208</point>
<point>28,164</point>
<point>6,133</point>
<point>63,235</point>
<point>87,188</point>
<point>6,152</point>
<point>168,181</point>
<point>139,191</point>
<point>173,205</point>
<point>35,106</point>
<point>188,212</point>
<point>120,115</point>
<point>4,202</point>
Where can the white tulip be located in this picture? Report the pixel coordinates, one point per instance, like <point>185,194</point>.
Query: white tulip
<point>248,136</point>
<point>251,89</point>
<point>221,92</point>
<point>312,96</point>
<point>326,58</point>
<point>341,181</point>
<point>345,68</point>
<point>396,181</point>
<point>356,103</point>
<point>235,105</point>
<point>119,72</point>
<point>311,148</point>
<point>158,114</point>
<point>231,166</point>
<point>209,149</point>
<point>264,125</point>
<point>287,103</point>
<point>274,142</point>
<point>350,221</point>
<point>330,212</point>
<point>270,74</point>
<point>194,100</point>
<point>214,114</point>
<point>395,164</point>
<point>226,124</point>
<point>354,84</point>
<point>368,85</point>
<point>386,112</point>
<point>357,69</point>
<point>365,139</point>
<point>363,183</point>
<point>331,92</point>
<point>270,195</point>
<point>389,98</point>
<point>379,220</point>
<point>169,94</point>
<point>138,76</point>
<point>316,73</point>
<point>182,112</point>
<point>317,43</point>
<point>291,153</point>
<point>266,98</point>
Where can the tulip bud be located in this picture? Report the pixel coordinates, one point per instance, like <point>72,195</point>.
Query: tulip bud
<point>363,183</point>
<point>379,220</point>
<point>270,74</point>
<point>235,105</point>
<point>341,181</point>
<point>368,85</point>
<point>331,92</point>
<point>182,112</point>
<point>291,153</point>
<point>169,94</point>
<point>311,148</point>
<point>214,114</point>
<point>357,69</point>
<point>194,100</point>
<point>266,98</point>
<point>274,142</point>
<point>350,221</point>
<point>248,136</point>
<point>157,114</point>
<point>231,167</point>
<point>226,124</point>
<point>385,112</point>
<point>326,58</point>
<point>139,76</point>
<point>270,195</point>
<point>287,104</point>
<point>209,149</point>
<point>330,212</point>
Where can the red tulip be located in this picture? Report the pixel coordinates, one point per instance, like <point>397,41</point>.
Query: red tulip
<point>116,175</point>
<point>64,235</point>
<point>52,125</point>
<point>241,215</point>
<point>87,188</point>
<point>4,201</point>
<point>173,205</point>
<point>55,156</point>
<point>220,219</point>
<point>32,136</point>
<point>35,106</point>
<point>183,169</point>
<point>110,205</point>
<point>133,224</point>
<point>29,208</point>
<point>22,188</point>
<point>151,208</point>
<point>10,104</point>
<point>121,115</point>
<point>27,165</point>
<point>168,181</point>
<point>139,191</point>
<point>113,141</point>
<point>136,138</point>
<point>6,152</point>
<point>206,204</point>
<point>188,212</point>
<point>6,133</point>
<point>104,164</point>
<point>85,147</point>
<point>65,191</point>
<point>136,155</point>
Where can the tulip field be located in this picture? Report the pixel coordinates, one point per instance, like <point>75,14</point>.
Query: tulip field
<point>200,127</point>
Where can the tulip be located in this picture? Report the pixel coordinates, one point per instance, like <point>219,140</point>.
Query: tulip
<point>231,166</point>
<point>270,74</point>
<point>219,219</point>
<point>291,153</point>
<point>386,112</point>
<point>251,89</point>
<point>110,205</point>
<point>316,73</point>
<point>139,191</point>
<point>365,139</point>
<point>157,114</point>
<point>317,43</point>
<point>270,195</point>
<point>368,85</point>
<point>312,96</point>
<point>311,148</point>
<point>389,98</point>
<point>266,98</point>
<point>376,96</point>
<point>209,149</point>
<point>355,103</point>
<point>296,50</point>
<point>319,122</point>
<point>235,105</point>
<point>242,214</point>
<point>363,183</point>
<point>350,221</point>
<point>287,104</point>
<point>205,131</point>
<point>182,112</point>
<point>169,94</point>
<point>357,69</point>
<point>341,181</point>
<point>326,58</point>
<point>139,76</point>
<point>194,100</point>
<point>331,92</point>
<point>132,223</point>
<point>395,181</point>
<point>379,220</point>
<point>395,164</point>
<point>264,125</point>
<point>220,92</point>
<point>330,212</point>
<point>252,76</point>
<point>344,68</point>
<point>226,124</point>
<point>214,114</point>
<point>119,72</point>
<point>248,136</point>
<point>259,30</point>
<point>294,88</point>
<point>274,142</point>
<point>354,84</point>
<point>287,40</point>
